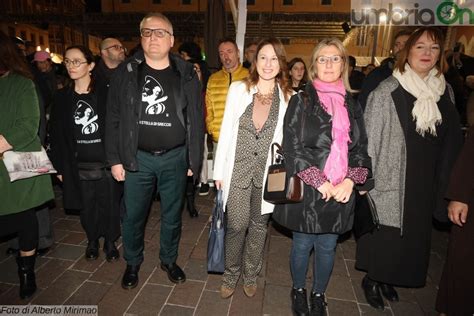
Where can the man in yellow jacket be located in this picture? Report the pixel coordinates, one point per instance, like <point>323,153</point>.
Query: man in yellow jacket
<point>218,86</point>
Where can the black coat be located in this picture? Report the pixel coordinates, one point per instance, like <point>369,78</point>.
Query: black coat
<point>124,106</point>
<point>63,143</point>
<point>306,142</point>
<point>372,81</point>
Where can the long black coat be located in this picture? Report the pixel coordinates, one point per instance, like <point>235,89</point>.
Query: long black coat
<point>306,142</point>
<point>372,81</point>
<point>63,143</point>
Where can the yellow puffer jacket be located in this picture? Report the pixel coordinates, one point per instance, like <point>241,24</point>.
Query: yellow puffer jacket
<point>216,94</point>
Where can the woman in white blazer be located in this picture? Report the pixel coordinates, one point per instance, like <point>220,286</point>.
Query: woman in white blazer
<point>253,120</point>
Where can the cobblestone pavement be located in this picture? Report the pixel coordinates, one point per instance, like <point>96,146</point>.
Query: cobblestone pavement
<point>65,277</point>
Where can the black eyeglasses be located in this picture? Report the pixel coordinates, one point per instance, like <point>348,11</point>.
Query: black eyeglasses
<point>160,33</point>
<point>116,47</point>
<point>73,63</point>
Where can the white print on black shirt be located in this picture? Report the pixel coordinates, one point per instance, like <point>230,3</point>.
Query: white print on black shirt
<point>152,93</point>
<point>85,116</point>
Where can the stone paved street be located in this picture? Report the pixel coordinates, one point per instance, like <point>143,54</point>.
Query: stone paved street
<point>65,277</point>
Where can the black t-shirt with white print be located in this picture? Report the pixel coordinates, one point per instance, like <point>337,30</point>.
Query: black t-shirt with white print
<point>87,129</point>
<point>159,126</point>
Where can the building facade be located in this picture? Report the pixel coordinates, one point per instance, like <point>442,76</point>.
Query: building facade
<point>39,24</point>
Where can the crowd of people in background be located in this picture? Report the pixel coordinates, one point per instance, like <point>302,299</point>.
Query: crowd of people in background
<point>121,130</point>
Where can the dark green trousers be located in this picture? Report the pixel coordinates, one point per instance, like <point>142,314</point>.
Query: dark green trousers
<point>168,171</point>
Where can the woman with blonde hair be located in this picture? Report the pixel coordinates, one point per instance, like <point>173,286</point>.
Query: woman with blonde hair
<point>253,120</point>
<point>325,144</point>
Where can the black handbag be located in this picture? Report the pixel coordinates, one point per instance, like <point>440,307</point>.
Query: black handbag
<point>280,188</point>
<point>90,171</point>
<point>365,215</point>
<point>215,243</point>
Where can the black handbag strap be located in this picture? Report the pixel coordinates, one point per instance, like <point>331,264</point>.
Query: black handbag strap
<point>279,151</point>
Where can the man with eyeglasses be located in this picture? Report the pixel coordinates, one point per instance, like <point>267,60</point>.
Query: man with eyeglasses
<point>154,137</point>
<point>112,54</point>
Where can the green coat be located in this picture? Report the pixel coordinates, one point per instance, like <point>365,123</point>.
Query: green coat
<point>19,120</point>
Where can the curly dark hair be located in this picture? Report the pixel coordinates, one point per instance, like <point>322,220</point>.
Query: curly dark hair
<point>192,49</point>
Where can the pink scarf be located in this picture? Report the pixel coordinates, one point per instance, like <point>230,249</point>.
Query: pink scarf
<point>332,97</point>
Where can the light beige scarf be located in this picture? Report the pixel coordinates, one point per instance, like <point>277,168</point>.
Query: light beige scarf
<point>427,92</point>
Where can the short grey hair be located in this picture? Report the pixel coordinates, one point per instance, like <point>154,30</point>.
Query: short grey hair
<point>157,15</point>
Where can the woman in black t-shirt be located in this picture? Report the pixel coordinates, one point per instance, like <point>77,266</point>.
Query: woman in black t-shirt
<point>78,153</point>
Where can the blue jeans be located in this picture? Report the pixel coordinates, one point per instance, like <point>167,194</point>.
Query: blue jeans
<point>324,251</point>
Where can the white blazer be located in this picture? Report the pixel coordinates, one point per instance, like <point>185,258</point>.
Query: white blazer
<point>238,99</point>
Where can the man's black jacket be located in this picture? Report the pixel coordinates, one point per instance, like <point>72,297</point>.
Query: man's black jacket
<point>124,107</point>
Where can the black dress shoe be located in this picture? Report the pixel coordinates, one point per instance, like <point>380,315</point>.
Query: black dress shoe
<point>111,251</point>
<point>130,277</point>
<point>372,293</point>
<point>175,274</point>
<point>92,250</point>
<point>389,292</point>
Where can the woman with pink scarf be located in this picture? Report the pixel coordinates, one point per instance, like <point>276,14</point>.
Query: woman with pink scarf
<point>325,144</point>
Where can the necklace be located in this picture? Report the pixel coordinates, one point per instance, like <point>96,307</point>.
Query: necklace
<point>265,99</point>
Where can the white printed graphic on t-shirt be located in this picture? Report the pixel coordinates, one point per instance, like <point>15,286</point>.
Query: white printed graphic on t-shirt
<point>153,94</point>
<point>85,116</point>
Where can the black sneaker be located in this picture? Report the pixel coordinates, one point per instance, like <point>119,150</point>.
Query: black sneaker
<point>204,189</point>
<point>299,302</point>
<point>317,304</point>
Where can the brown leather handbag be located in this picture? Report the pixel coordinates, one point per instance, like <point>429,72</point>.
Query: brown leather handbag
<point>280,188</point>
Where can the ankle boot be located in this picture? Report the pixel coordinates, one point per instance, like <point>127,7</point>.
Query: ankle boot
<point>299,302</point>
<point>372,293</point>
<point>26,273</point>
<point>389,292</point>
<point>317,302</point>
